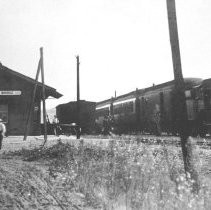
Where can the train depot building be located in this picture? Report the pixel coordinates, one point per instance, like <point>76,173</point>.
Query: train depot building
<point>16,92</point>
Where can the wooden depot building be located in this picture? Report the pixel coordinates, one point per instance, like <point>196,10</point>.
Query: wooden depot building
<point>16,92</point>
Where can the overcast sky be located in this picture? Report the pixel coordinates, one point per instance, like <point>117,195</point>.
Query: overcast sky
<point>122,44</point>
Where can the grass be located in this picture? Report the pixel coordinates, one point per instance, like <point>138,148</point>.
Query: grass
<point>124,175</point>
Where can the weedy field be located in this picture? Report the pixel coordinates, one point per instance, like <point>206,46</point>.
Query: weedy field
<point>120,175</point>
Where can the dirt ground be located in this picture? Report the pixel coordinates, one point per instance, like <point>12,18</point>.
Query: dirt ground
<point>27,185</point>
<point>13,143</point>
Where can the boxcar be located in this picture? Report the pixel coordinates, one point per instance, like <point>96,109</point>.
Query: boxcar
<point>67,114</point>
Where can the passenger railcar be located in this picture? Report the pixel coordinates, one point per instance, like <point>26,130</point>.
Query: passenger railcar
<point>152,110</point>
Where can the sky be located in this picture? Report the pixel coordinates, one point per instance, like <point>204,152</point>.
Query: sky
<point>122,44</point>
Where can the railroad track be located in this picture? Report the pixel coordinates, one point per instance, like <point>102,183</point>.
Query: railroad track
<point>151,139</point>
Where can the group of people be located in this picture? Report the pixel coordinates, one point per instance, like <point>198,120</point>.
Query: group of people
<point>108,124</point>
<point>72,128</point>
<point>56,129</point>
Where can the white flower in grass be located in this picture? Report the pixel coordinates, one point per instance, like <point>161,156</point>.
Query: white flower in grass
<point>188,175</point>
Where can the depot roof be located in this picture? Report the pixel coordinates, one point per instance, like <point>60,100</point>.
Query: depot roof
<point>49,91</point>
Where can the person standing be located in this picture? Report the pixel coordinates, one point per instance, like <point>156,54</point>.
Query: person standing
<point>157,120</point>
<point>55,125</point>
<point>2,132</point>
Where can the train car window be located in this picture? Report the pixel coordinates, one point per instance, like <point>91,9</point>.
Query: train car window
<point>161,103</point>
<point>200,105</point>
<point>207,99</point>
<point>124,108</point>
<point>102,112</point>
<point>117,109</point>
<point>128,107</point>
<point>143,105</point>
<point>198,93</point>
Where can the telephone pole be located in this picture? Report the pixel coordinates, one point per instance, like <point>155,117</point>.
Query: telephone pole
<point>31,107</point>
<point>179,93</point>
<point>43,95</point>
<point>78,99</point>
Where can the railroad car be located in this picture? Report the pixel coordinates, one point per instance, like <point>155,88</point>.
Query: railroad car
<point>152,110</point>
<point>67,115</point>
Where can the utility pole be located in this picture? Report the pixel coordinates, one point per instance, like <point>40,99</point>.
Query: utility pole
<point>31,108</point>
<point>43,95</point>
<point>179,93</point>
<point>78,99</point>
<point>174,40</point>
<point>137,109</point>
<point>112,107</point>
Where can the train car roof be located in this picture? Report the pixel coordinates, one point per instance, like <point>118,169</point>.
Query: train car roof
<point>73,103</point>
<point>189,82</point>
<point>206,83</point>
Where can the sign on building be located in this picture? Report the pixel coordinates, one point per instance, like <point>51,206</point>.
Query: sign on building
<point>10,92</point>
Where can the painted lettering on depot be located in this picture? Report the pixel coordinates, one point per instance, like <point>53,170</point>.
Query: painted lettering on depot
<point>10,92</point>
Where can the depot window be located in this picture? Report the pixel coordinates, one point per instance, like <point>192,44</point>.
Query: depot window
<point>4,112</point>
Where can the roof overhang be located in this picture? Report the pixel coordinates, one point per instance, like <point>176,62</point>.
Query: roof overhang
<point>49,91</point>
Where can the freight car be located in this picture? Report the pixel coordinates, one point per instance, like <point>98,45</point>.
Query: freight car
<point>152,110</point>
<point>67,115</point>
